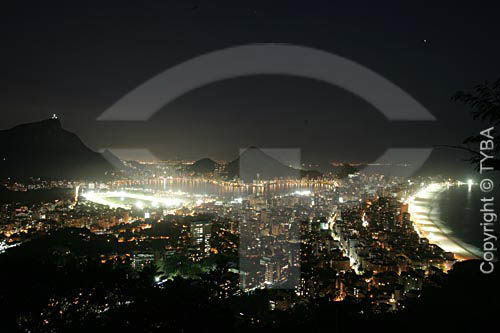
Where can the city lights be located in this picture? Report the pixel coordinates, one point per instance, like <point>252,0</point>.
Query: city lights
<point>303,193</point>
<point>118,199</point>
<point>190,166</point>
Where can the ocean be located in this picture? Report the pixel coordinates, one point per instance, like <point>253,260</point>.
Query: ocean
<point>459,211</point>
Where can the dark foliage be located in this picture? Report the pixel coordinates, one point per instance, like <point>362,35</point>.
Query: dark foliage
<point>484,101</point>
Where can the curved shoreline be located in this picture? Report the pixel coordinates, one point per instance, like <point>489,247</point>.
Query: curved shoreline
<point>426,219</point>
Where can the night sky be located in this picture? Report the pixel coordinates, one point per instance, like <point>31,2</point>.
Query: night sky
<point>76,58</point>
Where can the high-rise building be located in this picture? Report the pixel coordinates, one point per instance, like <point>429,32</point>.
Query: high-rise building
<point>200,234</point>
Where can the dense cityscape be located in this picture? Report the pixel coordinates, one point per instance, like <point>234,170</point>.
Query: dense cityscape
<point>336,239</point>
<point>242,166</point>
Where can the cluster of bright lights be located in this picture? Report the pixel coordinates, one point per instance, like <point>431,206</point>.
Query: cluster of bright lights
<point>170,202</point>
<point>365,221</point>
<point>4,246</point>
<point>303,193</point>
<point>142,200</point>
<point>97,198</point>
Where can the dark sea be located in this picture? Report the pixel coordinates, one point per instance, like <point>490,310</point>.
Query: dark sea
<point>460,212</point>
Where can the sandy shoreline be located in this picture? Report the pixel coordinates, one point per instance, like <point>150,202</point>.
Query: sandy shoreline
<point>424,210</point>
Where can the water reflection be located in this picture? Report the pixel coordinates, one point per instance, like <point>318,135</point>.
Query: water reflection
<point>226,189</point>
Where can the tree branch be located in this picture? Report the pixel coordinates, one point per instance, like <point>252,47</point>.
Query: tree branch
<point>472,151</point>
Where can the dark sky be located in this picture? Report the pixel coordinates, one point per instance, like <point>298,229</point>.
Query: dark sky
<point>76,58</point>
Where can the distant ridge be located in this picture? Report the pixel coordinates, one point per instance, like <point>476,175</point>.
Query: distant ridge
<point>116,162</point>
<point>44,149</point>
<point>254,164</point>
<point>203,166</point>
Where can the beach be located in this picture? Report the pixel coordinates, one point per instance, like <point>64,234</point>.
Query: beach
<point>425,214</point>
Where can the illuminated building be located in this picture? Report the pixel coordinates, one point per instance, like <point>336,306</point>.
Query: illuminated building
<point>200,235</point>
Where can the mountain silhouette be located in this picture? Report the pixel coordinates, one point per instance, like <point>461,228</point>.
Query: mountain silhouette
<point>45,150</point>
<point>203,166</point>
<point>254,164</point>
<point>116,162</point>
